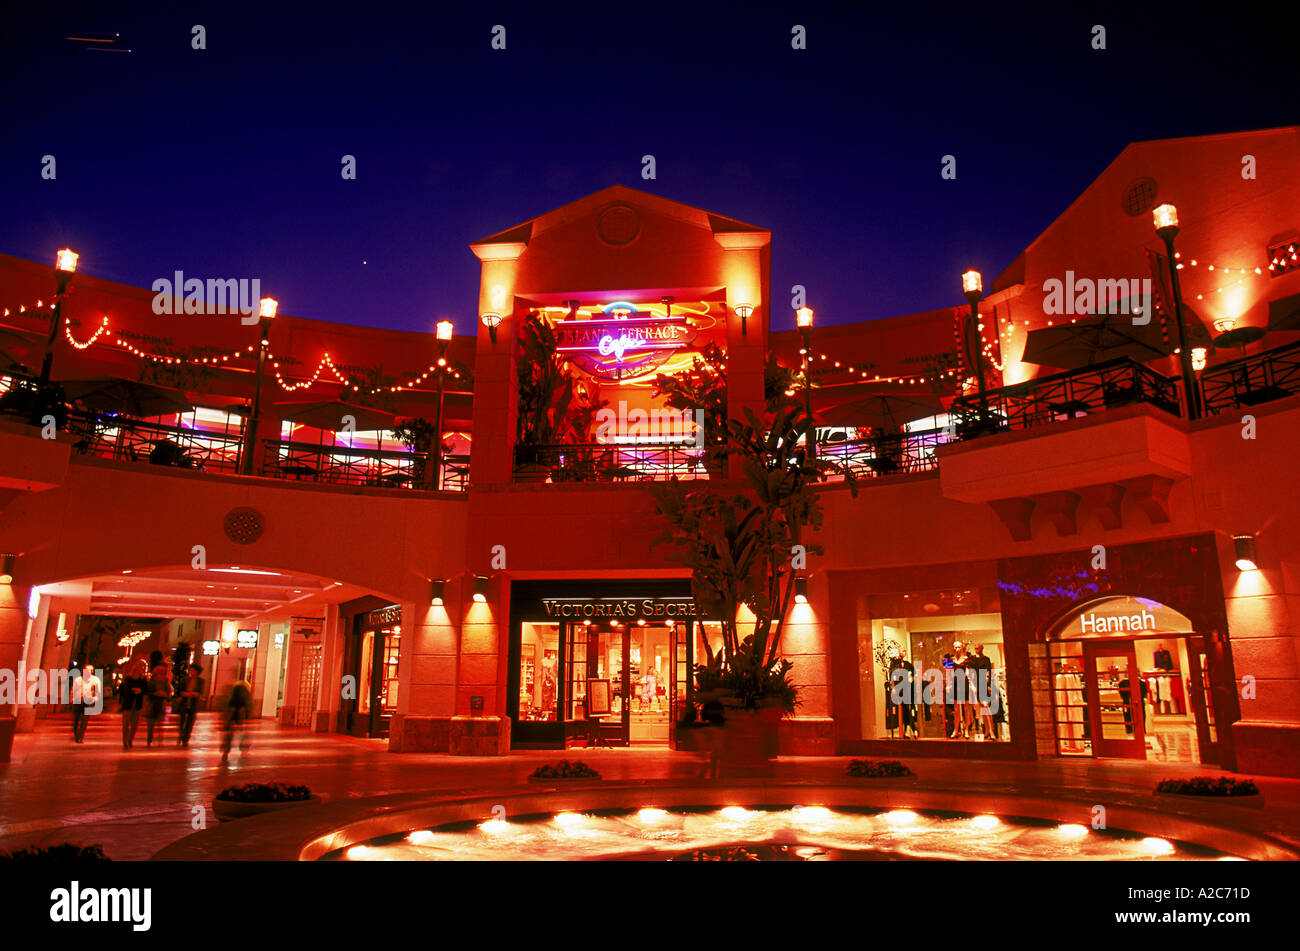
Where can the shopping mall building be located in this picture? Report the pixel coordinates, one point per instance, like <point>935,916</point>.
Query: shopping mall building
<point>1125,563</point>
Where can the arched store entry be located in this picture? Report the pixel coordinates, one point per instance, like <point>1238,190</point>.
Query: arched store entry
<point>1130,679</point>
<point>266,625</point>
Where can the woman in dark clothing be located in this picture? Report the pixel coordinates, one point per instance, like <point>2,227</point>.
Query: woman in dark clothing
<point>130,700</point>
<point>156,697</point>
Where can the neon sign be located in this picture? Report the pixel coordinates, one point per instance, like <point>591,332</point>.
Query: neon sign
<point>638,341</point>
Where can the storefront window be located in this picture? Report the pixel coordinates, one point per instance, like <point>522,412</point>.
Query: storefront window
<point>539,671</point>
<point>367,672</point>
<point>932,665</point>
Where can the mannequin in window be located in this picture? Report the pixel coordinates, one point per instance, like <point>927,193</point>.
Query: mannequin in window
<point>901,715</point>
<point>1163,659</point>
<point>981,670</point>
<point>965,698</point>
<point>949,696</point>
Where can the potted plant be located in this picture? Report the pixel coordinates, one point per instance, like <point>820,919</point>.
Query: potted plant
<point>552,411</point>
<point>745,544</point>
<point>418,435</point>
<point>235,802</point>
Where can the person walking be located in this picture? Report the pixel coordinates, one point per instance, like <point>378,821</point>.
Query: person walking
<point>86,692</point>
<point>159,692</point>
<point>241,700</point>
<point>190,698</point>
<point>130,699</point>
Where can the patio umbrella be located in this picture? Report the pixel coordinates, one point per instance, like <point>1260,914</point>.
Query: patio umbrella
<point>128,397</point>
<point>1097,339</point>
<point>328,415</point>
<point>1094,340</point>
<point>884,410</point>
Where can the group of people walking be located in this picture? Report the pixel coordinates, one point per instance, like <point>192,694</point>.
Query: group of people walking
<point>146,689</point>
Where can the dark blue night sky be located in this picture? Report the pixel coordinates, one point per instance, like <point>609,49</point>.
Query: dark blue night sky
<point>225,162</point>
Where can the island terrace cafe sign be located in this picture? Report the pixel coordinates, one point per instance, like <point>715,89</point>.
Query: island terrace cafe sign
<point>625,343</point>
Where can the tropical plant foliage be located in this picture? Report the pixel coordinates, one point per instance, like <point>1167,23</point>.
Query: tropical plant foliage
<point>744,544</point>
<point>550,410</point>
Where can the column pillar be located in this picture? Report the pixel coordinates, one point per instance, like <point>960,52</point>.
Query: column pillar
<point>483,648</point>
<point>496,396</point>
<point>745,276</point>
<point>427,693</point>
<point>13,636</point>
<point>329,696</point>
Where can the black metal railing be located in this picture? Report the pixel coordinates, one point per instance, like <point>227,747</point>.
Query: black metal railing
<point>883,455</point>
<point>136,440</point>
<point>374,468</point>
<point>612,462</point>
<point>1259,378</point>
<point>1062,396</point>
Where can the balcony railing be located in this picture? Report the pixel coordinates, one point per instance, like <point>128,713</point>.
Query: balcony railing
<point>1062,396</point>
<point>375,468</point>
<point>605,462</point>
<point>135,440</point>
<point>884,455</point>
<point>1259,378</point>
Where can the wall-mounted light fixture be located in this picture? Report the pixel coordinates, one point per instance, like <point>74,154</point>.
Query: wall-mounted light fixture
<point>1246,558</point>
<point>480,588</point>
<point>800,590</point>
<point>491,320</point>
<point>436,588</point>
<point>7,568</point>
<point>743,311</point>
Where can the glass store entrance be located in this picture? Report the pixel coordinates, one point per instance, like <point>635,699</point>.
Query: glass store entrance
<point>598,671</point>
<point>1131,679</point>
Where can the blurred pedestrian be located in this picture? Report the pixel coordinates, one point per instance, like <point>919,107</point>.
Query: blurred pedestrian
<point>159,692</point>
<point>86,692</point>
<point>190,698</point>
<point>130,699</point>
<point>241,701</point>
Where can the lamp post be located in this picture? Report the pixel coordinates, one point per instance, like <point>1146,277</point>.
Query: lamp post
<point>266,311</point>
<point>444,338</point>
<point>1166,220</point>
<point>803,317</point>
<point>65,265</point>
<point>972,285</point>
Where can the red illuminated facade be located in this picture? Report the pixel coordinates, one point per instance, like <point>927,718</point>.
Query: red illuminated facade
<point>503,592</point>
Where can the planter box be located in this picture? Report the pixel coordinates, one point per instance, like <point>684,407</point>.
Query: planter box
<point>1255,801</point>
<point>749,741</point>
<point>226,810</point>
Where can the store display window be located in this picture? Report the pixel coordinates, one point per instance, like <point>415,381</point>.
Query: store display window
<point>932,665</point>
<point>539,656</point>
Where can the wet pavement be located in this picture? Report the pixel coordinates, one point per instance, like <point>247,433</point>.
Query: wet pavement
<point>133,803</point>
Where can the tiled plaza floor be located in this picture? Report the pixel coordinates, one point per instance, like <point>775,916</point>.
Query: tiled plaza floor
<point>135,802</point>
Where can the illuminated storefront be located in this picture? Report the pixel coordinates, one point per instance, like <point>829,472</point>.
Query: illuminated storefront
<point>518,601</point>
<point>603,662</point>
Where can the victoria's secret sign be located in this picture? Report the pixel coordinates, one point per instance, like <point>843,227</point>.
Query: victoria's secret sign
<point>631,608</point>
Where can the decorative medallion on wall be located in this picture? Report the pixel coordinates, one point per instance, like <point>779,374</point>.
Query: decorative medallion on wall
<point>1140,196</point>
<point>618,225</point>
<point>244,525</point>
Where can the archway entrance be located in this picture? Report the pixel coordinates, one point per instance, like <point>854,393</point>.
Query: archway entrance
<point>1130,679</point>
